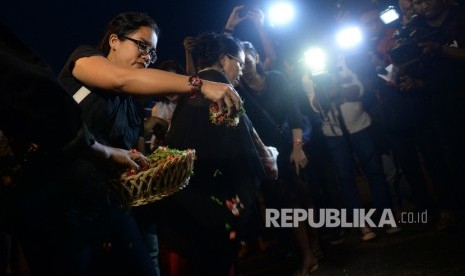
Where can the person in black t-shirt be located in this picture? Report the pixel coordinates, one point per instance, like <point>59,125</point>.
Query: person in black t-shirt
<point>105,81</point>
<point>41,183</point>
<point>440,71</point>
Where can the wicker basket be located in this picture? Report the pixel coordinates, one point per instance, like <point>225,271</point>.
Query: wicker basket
<point>168,173</point>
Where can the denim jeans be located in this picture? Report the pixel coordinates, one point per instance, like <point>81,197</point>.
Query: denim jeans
<point>149,234</point>
<point>363,147</point>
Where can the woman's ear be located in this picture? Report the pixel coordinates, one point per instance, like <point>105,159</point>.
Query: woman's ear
<point>113,41</point>
<point>223,60</point>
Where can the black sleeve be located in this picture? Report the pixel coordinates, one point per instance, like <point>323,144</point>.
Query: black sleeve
<point>34,107</point>
<point>66,77</point>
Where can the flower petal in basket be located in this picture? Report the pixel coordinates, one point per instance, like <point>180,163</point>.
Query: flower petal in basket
<point>168,172</point>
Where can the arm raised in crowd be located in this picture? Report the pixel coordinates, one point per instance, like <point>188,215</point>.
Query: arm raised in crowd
<point>257,17</point>
<point>98,71</point>
<point>189,44</point>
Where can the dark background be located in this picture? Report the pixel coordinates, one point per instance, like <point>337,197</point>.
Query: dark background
<point>54,28</point>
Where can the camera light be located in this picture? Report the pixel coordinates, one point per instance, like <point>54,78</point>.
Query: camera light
<point>281,13</point>
<point>389,15</point>
<point>349,37</point>
<point>315,59</point>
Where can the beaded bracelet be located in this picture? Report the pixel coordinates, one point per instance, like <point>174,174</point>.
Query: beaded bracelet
<point>196,83</point>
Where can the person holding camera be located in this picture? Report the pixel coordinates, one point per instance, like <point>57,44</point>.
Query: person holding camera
<point>439,71</point>
<point>346,126</point>
<point>397,120</point>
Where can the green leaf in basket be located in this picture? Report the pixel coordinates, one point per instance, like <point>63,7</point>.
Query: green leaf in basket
<point>216,200</point>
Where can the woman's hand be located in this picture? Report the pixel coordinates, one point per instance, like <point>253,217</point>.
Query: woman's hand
<point>122,157</point>
<point>257,17</point>
<point>299,158</point>
<point>297,154</point>
<point>222,94</point>
<point>234,18</point>
<point>189,44</point>
<point>127,158</point>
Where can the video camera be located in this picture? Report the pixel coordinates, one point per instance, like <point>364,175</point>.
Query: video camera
<point>408,37</point>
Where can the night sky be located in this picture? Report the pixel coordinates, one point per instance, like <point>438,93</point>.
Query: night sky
<point>54,28</point>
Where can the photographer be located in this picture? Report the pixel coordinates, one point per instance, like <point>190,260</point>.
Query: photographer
<point>399,117</point>
<point>347,128</point>
<point>438,73</point>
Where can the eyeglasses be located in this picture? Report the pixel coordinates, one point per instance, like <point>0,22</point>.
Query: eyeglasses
<point>241,64</point>
<point>143,48</point>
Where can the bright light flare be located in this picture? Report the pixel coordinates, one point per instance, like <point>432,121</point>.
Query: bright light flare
<point>389,15</point>
<point>281,13</point>
<point>315,59</point>
<point>349,37</point>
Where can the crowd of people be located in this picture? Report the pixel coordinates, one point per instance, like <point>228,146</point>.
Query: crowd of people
<point>266,135</point>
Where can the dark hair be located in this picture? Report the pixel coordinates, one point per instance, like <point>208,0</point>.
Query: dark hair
<point>171,65</point>
<point>125,24</point>
<point>210,47</point>
<point>249,48</point>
